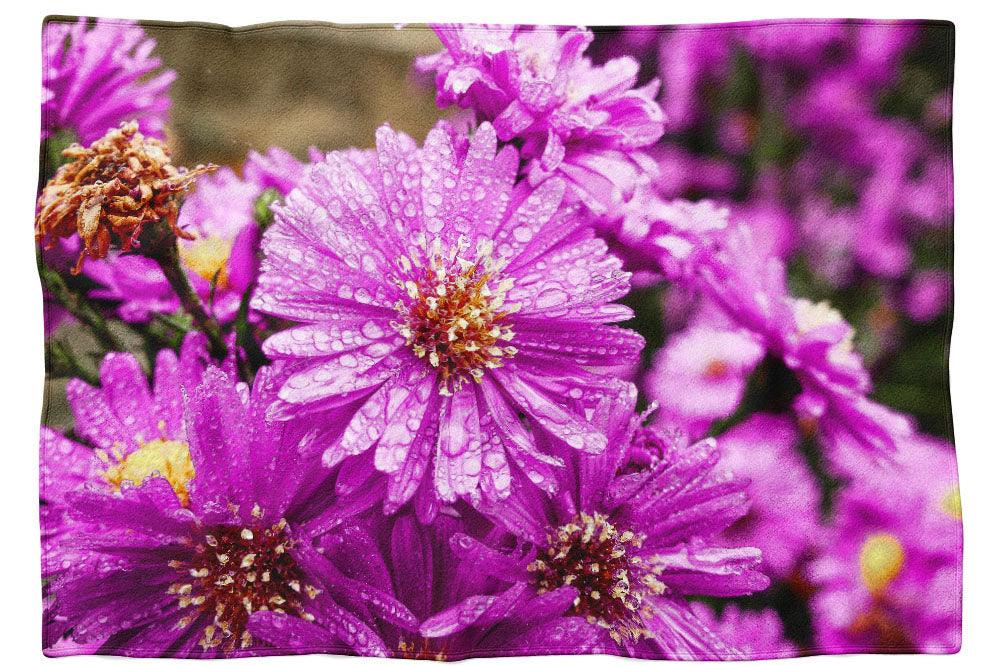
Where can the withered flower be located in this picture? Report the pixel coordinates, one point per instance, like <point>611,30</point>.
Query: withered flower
<point>111,191</point>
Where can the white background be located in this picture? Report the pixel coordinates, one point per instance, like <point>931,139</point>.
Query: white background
<point>975,358</point>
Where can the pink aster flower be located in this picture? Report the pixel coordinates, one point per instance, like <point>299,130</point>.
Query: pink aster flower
<point>129,432</point>
<point>927,295</point>
<point>220,260</point>
<point>570,117</point>
<point>890,577</point>
<point>756,634</point>
<point>897,167</point>
<point>464,613</point>
<point>700,374</point>
<point>800,44</point>
<point>773,225</point>
<point>657,236</point>
<point>434,313</point>
<point>878,48</point>
<point>276,168</point>
<point>690,56</point>
<point>96,76</point>
<point>445,311</point>
<point>828,238</point>
<point>784,516</point>
<point>125,413</point>
<point>631,541</point>
<point>128,429</point>
<point>686,174</point>
<point>927,198</point>
<point>812,339</point>
<point>204,531</point>
<point>65,464</point>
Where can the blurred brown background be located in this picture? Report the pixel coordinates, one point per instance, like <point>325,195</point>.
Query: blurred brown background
<point>292,85</point>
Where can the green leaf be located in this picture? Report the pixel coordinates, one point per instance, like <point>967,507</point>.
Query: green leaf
<point>262,207</point>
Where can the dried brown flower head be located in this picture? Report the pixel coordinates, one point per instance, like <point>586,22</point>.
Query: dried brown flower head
<point>110,191</point>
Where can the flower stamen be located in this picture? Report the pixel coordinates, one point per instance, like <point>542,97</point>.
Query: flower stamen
<point>235,571</point>
<point>604,564</point>
<point>454,309</point>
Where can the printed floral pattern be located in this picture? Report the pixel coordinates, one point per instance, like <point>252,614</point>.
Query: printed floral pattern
<point>616,358</point>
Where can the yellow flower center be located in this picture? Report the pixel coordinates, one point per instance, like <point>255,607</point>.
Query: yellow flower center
<point>453,311</point>
<point>165,458</point>
<point>603,564</point>
<point>209,258</point>
<point>952,504</point>
<point>881,561</point>
<point>810,316</point>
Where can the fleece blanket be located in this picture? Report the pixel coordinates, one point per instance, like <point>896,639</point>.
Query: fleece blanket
<point>459,341</point>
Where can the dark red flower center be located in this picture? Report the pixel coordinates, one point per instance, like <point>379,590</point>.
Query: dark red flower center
<point>428,649</point>
<point>604,565</point>
<point>234,571</point>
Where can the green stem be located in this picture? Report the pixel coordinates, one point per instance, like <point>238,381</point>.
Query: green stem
<point>168,258</point>
<point>78,306</point>
<point>63,363</point>
<point>252,357</point>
